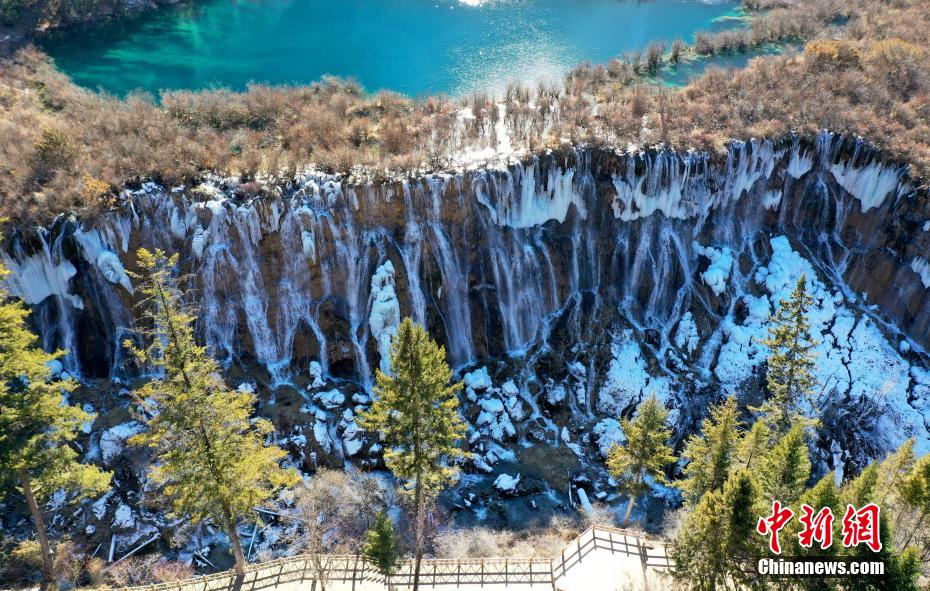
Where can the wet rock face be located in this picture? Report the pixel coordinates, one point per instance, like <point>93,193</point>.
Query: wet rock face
<point>587,280</point>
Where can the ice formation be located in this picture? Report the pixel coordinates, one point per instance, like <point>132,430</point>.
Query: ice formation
<point>385,312</point>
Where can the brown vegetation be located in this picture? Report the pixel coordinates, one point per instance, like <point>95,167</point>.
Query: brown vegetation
<point>65,147</point>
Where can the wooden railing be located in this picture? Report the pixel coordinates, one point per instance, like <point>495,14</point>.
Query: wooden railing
<point>653,554</point>
<point>483,571</point>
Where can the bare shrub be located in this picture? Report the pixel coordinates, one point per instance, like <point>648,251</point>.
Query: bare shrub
<point>331,512</point>
<point>654,56</point>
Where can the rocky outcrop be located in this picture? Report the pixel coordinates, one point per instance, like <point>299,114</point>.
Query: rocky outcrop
<point>585,280</point>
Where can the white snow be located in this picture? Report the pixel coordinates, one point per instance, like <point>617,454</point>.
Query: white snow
<point>509,388</point>
<point>316,372</point>
<point>351,434</point>
<point>477,380</point>
<point>854,358</point>
<point>123,518</point>
<point>113,440</point>
<point>686,337</point>
<point>717,274</point>
<point>385,312</point>
<point>507,483</point>
<point>321,435</point>
<point>607,433</point>
<point>330,399</point>
<point>627,381</point>
<point>494,421</point>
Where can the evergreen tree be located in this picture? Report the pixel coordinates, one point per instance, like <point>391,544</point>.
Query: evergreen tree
<point>790,363</point>
<point>37,426</point>
<point>380,546</point>
<point>892,472</point>
<point>861,489</point>
<point>416,412</point>
<point>211,460</point>
<point>645,453</point>
<point>915,494</point>
<point>902,564</point>
<point>711,455</point>
<point>716,542</point>
<point>787,467</point>
<point>754,445</point>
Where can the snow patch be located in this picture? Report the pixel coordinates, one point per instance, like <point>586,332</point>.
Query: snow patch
<point>717,274</point>
<point>507,483</point>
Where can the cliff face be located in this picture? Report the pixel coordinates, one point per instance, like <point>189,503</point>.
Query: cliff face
<point>584,280</point>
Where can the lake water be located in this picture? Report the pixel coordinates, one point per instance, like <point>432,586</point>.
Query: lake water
<point>410,46</point>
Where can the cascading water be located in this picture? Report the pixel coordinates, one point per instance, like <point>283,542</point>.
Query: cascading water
<point>545,259</point>
<point>571,285</point>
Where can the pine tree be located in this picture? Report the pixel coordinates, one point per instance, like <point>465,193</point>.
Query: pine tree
<point>789,376</point>
<point>892,471</point>
<point>787,467</point>
<point>754,445</point>
<point>717,539</point>
<point>915,494</point>
<point>416,412</point>
<point>902,564</point>
<point>645,453</point>
<point>711,455</point>
<point>37,426</point>
<point>211,460</point>
<point>380,546</point>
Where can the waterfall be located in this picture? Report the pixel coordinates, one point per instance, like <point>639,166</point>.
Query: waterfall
<point>489,260</point>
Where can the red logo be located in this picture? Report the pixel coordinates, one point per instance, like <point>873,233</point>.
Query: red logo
<point>773,524</point>
<point>860,526</point>
<point>817,528</point>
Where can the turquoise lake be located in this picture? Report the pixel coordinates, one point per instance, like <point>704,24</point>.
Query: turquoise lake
<point>414,47</point>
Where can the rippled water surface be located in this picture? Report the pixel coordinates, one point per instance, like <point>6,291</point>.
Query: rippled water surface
<point>411,46</point>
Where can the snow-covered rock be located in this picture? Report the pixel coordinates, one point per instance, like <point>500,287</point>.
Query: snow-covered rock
<point>123,518</point>
<point>330,399</point>
<point>627,381</point>
<point>607,433</point>
<point>478,380</point>
<point>316,375</point>
<point>507,483</point>
<point>321,436</point>
<point>493,419</point>
<point>113,440</point>
<point>352,441</point>
<point>717,274</point>
<point>555,394</point>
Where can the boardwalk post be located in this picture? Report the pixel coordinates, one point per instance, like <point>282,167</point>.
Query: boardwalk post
<point>481,576</point>
<point>506,570</point>
<point>354,570</point>
<point>458,572</point>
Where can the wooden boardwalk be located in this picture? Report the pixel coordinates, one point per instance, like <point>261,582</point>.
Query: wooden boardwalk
<point>595,560</point>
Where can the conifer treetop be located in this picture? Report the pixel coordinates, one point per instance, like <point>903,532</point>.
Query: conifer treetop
<point>212,460</point>
<point>416,411</point>
<point>37,426</point>
<point>646,452</point>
